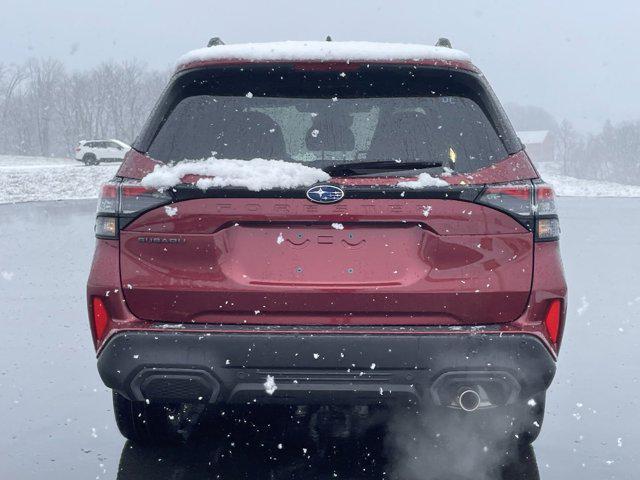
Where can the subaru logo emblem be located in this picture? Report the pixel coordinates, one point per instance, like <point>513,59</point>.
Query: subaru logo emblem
<point>325,194</point>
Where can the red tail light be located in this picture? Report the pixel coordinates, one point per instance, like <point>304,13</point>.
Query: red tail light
<point>121,202</point>
<point>553,319</point>
<point>135,199</point>
<point>100,317</point>
<point>108,200</point>
<point>514,198</point>
<point>545,199</point>
<point>531,203</point>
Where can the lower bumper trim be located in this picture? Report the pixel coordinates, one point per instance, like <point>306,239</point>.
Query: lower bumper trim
<point>321,368</point>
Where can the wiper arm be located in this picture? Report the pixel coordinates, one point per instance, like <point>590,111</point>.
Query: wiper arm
<point>364,168</point>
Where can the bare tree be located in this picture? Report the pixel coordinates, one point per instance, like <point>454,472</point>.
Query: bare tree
<point>44,110</point>
<point>567,140</point>
<point>45,81</point>
<point>10,79</point>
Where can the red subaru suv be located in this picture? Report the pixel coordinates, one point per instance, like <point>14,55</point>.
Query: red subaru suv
<point>308,224</point>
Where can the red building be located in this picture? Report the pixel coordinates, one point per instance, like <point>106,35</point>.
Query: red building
<point>539,143</point>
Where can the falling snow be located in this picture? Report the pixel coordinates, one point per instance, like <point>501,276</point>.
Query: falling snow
<point>270,385</point>
<point>8,276</point>
<point>171,211</point>
<point>584,305</point>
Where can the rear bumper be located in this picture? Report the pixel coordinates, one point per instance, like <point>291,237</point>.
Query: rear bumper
<point>311,368</point>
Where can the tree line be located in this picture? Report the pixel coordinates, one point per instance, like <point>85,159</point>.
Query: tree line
<point>46,110</point>
<point>613,154</point>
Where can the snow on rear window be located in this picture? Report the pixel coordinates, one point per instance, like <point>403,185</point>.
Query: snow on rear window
<point>256,174</point>
<point>424,180</point>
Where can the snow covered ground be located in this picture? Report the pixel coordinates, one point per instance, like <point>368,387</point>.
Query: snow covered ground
<point>25,179</point>
<point>579,187</point>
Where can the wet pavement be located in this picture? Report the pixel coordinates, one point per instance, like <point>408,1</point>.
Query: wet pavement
<point>56,419</point>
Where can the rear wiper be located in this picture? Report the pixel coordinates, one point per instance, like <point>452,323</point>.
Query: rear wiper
<point>364,168</point>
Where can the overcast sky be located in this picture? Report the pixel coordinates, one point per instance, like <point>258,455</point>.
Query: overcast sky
<point>578,59</point>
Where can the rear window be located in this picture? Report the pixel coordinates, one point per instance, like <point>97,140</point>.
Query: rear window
<point>366,114</point>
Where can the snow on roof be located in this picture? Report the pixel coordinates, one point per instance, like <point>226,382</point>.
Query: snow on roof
<point>530,137</point>
<point>323,51</point>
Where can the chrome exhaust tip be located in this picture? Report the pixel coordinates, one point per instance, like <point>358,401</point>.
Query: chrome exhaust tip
<point>469,400</point>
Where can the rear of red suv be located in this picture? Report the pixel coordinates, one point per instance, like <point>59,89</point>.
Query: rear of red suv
<point>327,224</point>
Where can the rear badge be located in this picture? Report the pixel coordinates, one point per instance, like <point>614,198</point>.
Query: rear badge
<point>171,240</point>
<point>325,194</point>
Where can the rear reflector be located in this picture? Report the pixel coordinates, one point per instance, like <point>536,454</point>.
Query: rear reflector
<point>552,319</point>
<point>100,317</point>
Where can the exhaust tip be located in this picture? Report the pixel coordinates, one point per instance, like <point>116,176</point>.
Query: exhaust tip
<point>469,400</point>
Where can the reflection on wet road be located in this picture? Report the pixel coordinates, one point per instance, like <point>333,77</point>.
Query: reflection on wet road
<point>57,419</point>
<point>272,453</point>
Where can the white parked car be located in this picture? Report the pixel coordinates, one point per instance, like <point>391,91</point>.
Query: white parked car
<point>92,152</point>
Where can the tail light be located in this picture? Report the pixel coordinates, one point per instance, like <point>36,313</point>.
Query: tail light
<point>553,319</point>
<point>101,317</point>
<point>122,201</point>
<point>531,203</point>
<point>547,223</point>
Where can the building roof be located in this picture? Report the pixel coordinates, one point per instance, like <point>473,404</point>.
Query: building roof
<point>322,51</point>
<point>531,137</point>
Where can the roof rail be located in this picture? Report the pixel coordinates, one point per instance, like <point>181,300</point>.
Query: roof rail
<point>443,42</point>
<point>215,41</point>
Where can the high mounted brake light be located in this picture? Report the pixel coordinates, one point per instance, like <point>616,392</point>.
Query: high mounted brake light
<point>532,204</point>
<point>122,201</point>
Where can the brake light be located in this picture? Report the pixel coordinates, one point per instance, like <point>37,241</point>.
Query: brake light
<point>326,66</point>
<point>515,198</point>
<point>108,200</point>
<point>122,201</point>
<point>532,204</point>
<point>553,318</point>
<point>101,317</point>
<point>134,198</point>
